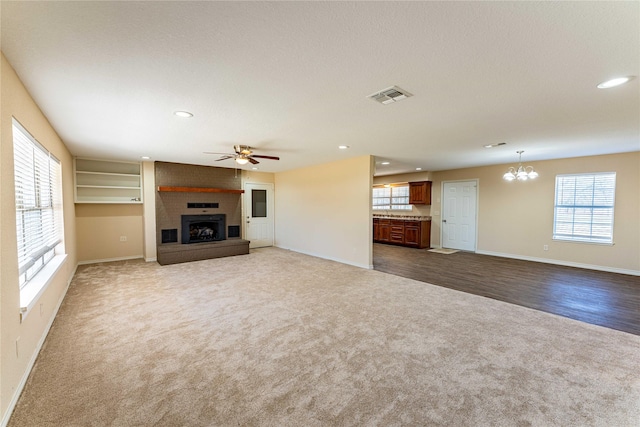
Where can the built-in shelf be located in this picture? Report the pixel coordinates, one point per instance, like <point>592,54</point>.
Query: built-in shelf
<point>167,189</point>
<point>107,181</point>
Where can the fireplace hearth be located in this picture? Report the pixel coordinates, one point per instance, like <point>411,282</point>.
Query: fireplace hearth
<point>203,228</point>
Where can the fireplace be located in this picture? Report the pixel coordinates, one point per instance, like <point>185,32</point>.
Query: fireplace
<point>203,228</point>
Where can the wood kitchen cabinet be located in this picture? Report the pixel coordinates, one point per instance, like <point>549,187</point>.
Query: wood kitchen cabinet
<point>416,234</point>
<point>420,193</point>
<point>384,230</point>
<point>397,231</point>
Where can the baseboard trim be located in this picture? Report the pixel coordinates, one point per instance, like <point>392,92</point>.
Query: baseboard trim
<point>97,261</point>
<point>34,356</point>
<point>154,259</point>
<point>563,263</point>
<point>365,266</point>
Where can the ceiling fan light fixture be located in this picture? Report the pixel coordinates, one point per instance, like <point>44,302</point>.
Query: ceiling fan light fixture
<point>241,160</point>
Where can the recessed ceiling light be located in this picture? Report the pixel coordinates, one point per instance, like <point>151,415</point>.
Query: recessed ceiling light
<point>185,114</point>
<point>385,163</point>
<point>145,157</point>
<point>494,145</point>
<point>614,82</point>
<point>343,147</point>
<point>418,169</point>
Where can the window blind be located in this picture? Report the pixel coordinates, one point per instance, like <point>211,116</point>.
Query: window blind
<point>38,181</point>
<point>584,207</point>
<point>391,197</point>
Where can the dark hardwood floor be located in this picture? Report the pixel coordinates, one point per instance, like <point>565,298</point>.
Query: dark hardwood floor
<point>600,298</point>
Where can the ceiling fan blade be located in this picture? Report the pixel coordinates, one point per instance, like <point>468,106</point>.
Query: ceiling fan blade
<point>266,157</point>
<point>224,158</point>
<point>253,161</point>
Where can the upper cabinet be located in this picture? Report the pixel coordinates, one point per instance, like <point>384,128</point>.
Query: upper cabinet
<point>107,181</point>
<point>420,193</point>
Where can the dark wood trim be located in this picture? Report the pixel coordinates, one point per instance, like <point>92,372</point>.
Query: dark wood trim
<point>167,189</point>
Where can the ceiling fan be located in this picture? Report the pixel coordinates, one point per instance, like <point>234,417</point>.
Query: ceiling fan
<point>243,155</point>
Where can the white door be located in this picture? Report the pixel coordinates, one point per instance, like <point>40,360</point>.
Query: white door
<point>459,215</point>
<point>258,209</point>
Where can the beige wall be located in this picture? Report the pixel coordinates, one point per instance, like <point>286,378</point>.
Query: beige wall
<point>16,102</point>
<point>516,218</point>
<point>257,177</point>
<point>149,211</point>
<point>325,210</point>
<point>99,228</point>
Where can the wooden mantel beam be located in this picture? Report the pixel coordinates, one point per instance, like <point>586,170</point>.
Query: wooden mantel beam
<point>168,189</point>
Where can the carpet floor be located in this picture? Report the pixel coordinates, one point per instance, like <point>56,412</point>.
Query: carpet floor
<point>277,338</point>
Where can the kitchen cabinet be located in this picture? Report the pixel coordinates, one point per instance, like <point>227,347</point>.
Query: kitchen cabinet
<point>397,231</point>
<point>417,234</point>
<point>420,193</point>
<point>410,233</point>
<point>383,227</point>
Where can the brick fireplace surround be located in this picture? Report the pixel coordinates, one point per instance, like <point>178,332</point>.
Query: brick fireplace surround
<point>172,205</point>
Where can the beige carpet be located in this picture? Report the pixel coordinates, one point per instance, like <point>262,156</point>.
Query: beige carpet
<point>277,338</point>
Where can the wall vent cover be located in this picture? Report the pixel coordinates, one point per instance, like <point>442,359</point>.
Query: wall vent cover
<point>390,95</point>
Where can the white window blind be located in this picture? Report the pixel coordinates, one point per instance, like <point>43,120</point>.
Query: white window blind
<point>38,203</point>
<point>584,207</point>
<point>396,197</point>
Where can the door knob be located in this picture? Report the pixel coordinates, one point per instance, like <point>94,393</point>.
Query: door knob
<point>444,220</point>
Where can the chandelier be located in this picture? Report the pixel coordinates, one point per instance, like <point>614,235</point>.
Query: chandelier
<point>521,173</point>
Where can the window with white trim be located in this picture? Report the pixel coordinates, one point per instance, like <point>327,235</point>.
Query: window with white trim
<point>584,207</point>
<point>38,189</point>
<point>395,197</point>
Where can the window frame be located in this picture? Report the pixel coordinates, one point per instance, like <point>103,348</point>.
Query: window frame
<point>38,203</point>
<point>600,212</point>
<point>390,205</point>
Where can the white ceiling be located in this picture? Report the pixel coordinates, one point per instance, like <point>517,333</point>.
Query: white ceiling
<point>292,78</point>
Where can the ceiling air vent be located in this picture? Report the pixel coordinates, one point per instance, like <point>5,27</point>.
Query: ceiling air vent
<point>390,95</point>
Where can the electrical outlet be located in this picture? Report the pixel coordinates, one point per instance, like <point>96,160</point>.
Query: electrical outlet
<point>123,238</point>
<point>545,247</point>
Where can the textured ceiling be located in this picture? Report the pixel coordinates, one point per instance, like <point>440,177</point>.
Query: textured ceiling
<point>292,79</point>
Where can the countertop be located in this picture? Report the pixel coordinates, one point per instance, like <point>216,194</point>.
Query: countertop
<point>404,217</point>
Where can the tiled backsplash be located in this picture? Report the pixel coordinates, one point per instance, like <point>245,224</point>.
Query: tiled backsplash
<point>405,217</point>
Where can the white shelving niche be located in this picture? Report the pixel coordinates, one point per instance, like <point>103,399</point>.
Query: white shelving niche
<point>107,181</point>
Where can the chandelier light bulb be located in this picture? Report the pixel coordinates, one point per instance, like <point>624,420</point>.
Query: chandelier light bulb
<point>508,176</point>
<point>521,173</point>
